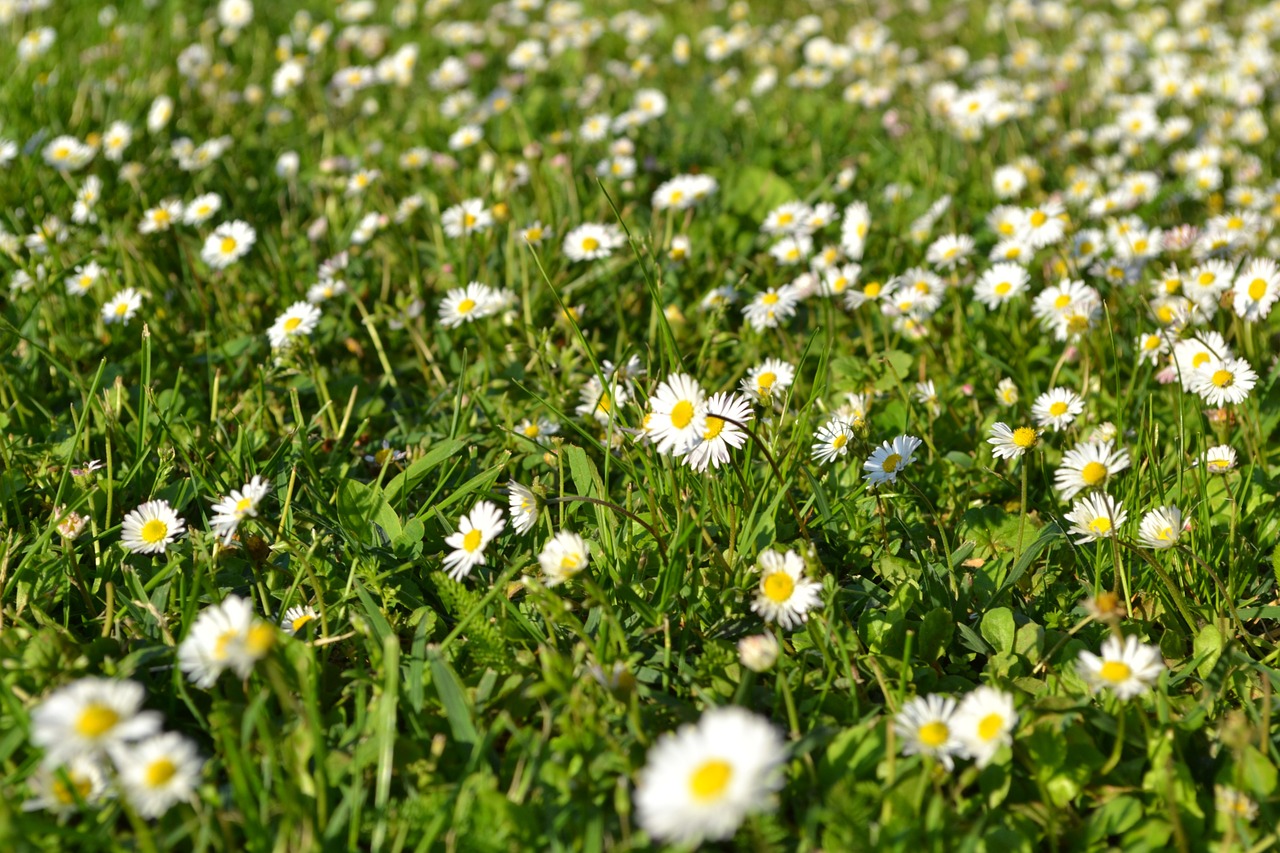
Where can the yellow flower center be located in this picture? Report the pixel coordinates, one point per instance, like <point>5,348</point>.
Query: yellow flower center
<point>66,794</point>
<point>159,772</point>
<point>1206,278</point>
<point>1039,218</point>
<point>1024,437</point>
<point>243,504</point>
<point>1062,301</point>
<point>468,220</point>
<point>990,726</point>
<point>682,414</point>
<point>1006,228</point>
<point>891,463</point>
<point>1115,671</point>
<point>1165,534</point>
<point>1101,525</point>
<point>710,780</point>
<point>292,323</point>
<point>839,441</point>
<point>1058,409</point>
<point>122,308</point>
<point>1172,285</point>
<point>714,427</point>
<point>1222,378</point>
<point>677,196</point>
<point>1257,289</point>
<point>466,306</point>
<point>934,734</point>
<point>471,541</point>
<point>225,639</point>
<point>297,624</point>
<point>1199,359</point>
<point>1003,288</point>
<point>1151,342</point>
<point>872,290</point>
<point>766,380</point>
<point>96,720</point>
<point>590,244</point>
<point>779,586</point>
<point>154,531</point>
<point>228,245</point>
<point>1093,473</point>
<point>161,216</point>
<point>532,431</point>
<point>260,640</point>
<point>785,219</point>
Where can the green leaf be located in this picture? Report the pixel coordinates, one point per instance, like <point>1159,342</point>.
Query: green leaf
<point>1049,534</point>
<point>998,629</point>
<point>1209,645</point>
<point>1258,772</point>
<point>360,507</point>
<point>936,632</point>
<point>409,478</point>
<point>452,697</point>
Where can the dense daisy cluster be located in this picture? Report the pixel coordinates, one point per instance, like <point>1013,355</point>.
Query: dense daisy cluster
<point>553,423</point>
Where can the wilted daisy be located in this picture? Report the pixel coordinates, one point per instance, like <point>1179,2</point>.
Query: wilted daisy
<point>122,307</point>
<point>1007,443</point>
<point>298,321</point>
<point>1161,527</point>
<point>984,722</point>
<point>60,788</point>
<point>239,505</point>
<point>158,772</point>
<point>888,460</point>
<point>524,506</point>
<point>228,243</point>
<point>151,528</point>
<point>769,380</point>
<point>297,618</point>
<point>466,305</point>
<point>703,780</point>
<point>1088,466</point>
<point>677,414</point>
<point>475,531</point>
<point>90,715</point>
<point>831,441</point>
<point>1057,408</point>
<point>926,727</point>
<point>1223,382</point>
<point>1220,459</point>
<point>1127,669</point>
<point>785,595</point>
<point>725,411</point>
<point>1096,516</point>
<point>225,636</point>
<point>564,555</point>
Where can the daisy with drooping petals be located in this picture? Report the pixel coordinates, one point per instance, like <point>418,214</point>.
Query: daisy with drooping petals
<point>725,413</point>
<point>984,722</point>
<point>785,595</point>
<point>564,555</point>
<point>228,243</point>
<point>925,726</point>
<point>236,507</point>
<point>1096,516</point>
<point>158,772</point>
<point>1088,466</point>
<point>888,460</point>
<point>524,506</point>
<point>299,321</point>
<point>151,528</point>
<point>225,636</point>
<point>703,780</point>
<point>1057,408</point>
<point>89,716</point>
<point>831,441</point>
<point>677,414</point>
<point>1007,443</point>
<point>297,618</point>
<point>1127,669</point>
<point>1161,527</point>
<point>475,531</point>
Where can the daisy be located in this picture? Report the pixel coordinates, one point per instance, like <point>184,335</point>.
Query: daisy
<point>161,217</point>
<point>1096,516</point>
<point>90,715</point>
<point>831,441</point>
<point>201,209</point>
<point>1007,443</point>
<point>535,234</point>
<point>151,528</point>
<point>122,307</point>
<point>564,555</point>
<point>298,321</point>
<point>239,505</point>
<point>592,241</point>
<point>297,618</point>
<point>999,284</point>
<point>1220,459</point>
<point>523,504</point>
<point>322,291</point>
<point>703,780</point>
<point>787,218</point>
<point>228,243</point>
<point>224,636</point>
<point>950,250</point>
<point>61,788</point>
<point>158,772</point>
<point>984,722</point>
<point>853,229</point>
<point>467,217</point>
<point>677,415</point>
<point>1127,669</point>
<point>1150,347</point>
<point>1228,381</point>
<point>926,727</point>
<point>1256,289</point>
<point>599,402</point>
<point>1190,355</point>
<point>83,278</point>
<point>1088,466</point>
<point>888,460</point>
<point>1044,225</point>
<point>1057,408</point>
<point>785,595</point>
<point>466,305</point>
<point>539,429</point>
<point>475,531</point>
<point>1161,527</point>
<point>768,381</point>
<point>1235,803</point>
<point>724,412</point>
<point>1006,393</point>
<point>766,310</point>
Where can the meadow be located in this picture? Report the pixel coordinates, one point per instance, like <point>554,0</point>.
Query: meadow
<point>606,425</point>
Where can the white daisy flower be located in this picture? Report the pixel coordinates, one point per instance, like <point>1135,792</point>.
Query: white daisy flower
<point>1057,408</point>
<point>1220,459</point>
<point>90,715</point>
<point>888,460</point>
<point>984,722</point>
<point>768,381</point>
<point>1161,527</point>
<point>564,555</point>
<point>299,321</point>
<point>1088,466</point>
<point>158,772</point>
<point>122,307</point>
<point>1127,669</point>
<point>297,618</point>
<point>1096,516</point>
<point>239,505</point>
<point>228,243</point>
<point>523,504</point>
<point>466,305</point>
<point>1226,382</point>
<point>677,414</point>
<point>225,636</point>
<point>831,441</point>
<point>724,412</point>
<point>1256,289</point>
<point>151,528</point>
<point>475,531</point>
<point>785,595</point>
<point>1008,443</point>
<point>925,726</point>
<point>201,209</point>
<point>61,788</point>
